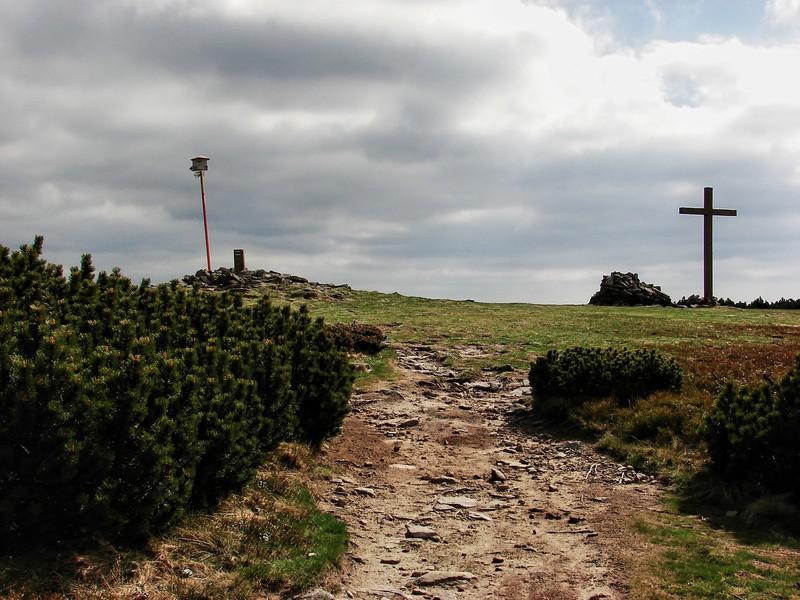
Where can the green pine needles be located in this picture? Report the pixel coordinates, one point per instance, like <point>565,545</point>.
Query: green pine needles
<point>563,380</point>
<point>754,433</point>
<point>123,406</point>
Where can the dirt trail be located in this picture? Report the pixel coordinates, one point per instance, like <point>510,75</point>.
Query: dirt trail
<point>416,458</point>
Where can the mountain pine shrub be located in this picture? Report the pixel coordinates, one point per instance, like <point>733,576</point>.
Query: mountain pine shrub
<point>123,406</point>
<point>754,433</point>
<point>358,337</point>
<point>563,380</point>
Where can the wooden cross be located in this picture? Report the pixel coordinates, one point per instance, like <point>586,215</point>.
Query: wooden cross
<point>709,212</point>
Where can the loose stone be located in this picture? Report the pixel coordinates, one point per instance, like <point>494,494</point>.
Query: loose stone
<point>421,532</point>
<point>458,501</point>
<point>439,577</point>
<point>497,475</point>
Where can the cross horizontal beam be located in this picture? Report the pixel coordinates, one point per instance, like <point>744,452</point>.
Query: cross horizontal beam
<point>717,212</point>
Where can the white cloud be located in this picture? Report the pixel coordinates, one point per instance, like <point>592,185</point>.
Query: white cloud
<point>783,12</point>
<point>655,12</point>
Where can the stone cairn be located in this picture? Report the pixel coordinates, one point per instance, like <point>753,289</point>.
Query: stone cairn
<point>295,286</point>
<point>625,289</point>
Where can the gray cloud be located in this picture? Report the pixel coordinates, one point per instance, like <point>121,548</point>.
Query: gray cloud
<point>467,159</point>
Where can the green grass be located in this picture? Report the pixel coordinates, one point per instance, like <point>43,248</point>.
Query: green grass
<point>523,331</point>
<point>375,368</point>
<point>323,540</point>
<point>697,562</point>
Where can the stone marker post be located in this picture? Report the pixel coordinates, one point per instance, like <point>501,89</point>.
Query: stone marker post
<point>238,260</point>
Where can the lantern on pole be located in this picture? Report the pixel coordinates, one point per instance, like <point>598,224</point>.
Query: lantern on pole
<point>199,167</point>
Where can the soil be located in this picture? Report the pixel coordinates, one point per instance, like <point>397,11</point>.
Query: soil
<point>416,457</point>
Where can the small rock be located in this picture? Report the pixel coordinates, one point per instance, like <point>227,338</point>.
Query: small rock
<point>402,467</point>
<point>364,491</point>
<point>439,577</point>
<point>443,479</point>
<point>497,560</point>
<point>497,475</point>
<point>478,516</point>
<point>409,423</point>
<point>187,572</point>
<point>421,532</point>
<point>458,501</point>
<point>390,561</point>
<point>443,507</point>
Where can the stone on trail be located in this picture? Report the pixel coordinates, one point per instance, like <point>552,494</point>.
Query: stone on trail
<point>497,475</point>
<point>365,491</point>
<point>443,479</point>
<point>402,467</point>
<point>439,577</point>
<point>409,423</point>
<point>458,501</point>
<point>421,532</point>
<point>478,516</point>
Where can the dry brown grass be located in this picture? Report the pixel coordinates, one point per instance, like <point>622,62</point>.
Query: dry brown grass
<point>205,558</point>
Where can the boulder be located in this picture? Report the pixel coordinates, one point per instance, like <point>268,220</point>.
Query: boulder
<point>625,289</point>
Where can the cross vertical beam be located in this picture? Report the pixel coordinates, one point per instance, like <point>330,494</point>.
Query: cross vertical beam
<point>709,212</point>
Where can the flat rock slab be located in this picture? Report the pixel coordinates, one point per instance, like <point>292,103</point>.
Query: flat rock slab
<point>402,467</point>
<point>443,479</point>
<point>440,577</point>
<point>458,501</point>
<point>421,532</point>
<point>478,516</point>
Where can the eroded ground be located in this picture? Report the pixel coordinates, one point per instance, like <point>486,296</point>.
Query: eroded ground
<point>449,490</point>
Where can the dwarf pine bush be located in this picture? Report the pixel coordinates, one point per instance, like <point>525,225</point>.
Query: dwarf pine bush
<point>358,337</point>
<point>753,433</point>
<point>563,380</point>
<point>123,406</point>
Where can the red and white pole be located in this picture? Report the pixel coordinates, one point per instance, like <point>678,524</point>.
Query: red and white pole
<point>205,218</point>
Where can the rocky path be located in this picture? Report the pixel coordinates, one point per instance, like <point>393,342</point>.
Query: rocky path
<point>450,491</point>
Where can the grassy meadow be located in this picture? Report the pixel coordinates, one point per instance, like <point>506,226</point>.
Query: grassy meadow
<point>712,346</point>
<point>712,540</point>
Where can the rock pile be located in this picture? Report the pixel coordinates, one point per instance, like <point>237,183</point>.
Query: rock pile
<point>295,286</point>
<point>625,289</point>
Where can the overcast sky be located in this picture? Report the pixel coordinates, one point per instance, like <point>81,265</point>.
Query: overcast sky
<point>499,150</point>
